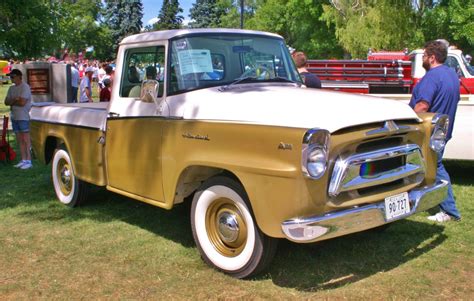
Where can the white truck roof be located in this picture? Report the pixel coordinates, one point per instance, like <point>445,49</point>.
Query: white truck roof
<point>169,34</point>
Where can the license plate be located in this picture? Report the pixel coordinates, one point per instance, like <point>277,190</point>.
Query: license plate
<point>396,205</point>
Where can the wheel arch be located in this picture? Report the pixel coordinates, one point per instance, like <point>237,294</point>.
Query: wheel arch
<point>193,176</point>
<point>50,145</point>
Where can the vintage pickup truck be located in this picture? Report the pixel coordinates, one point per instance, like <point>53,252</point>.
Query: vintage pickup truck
<point>220,118</point>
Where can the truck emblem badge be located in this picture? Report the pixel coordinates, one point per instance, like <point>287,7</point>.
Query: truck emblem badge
<point>197,137</point>
<point>285,146</point>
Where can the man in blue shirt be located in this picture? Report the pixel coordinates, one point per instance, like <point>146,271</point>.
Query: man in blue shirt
<point>438,92</point>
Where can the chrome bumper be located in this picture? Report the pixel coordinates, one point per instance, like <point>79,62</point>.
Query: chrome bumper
<point>357,219</point>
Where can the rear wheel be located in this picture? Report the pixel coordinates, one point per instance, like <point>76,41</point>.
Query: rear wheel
<point>69,190</point>
<point>225,231</point>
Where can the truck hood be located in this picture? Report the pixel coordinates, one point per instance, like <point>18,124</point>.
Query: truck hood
<point>287,105</point>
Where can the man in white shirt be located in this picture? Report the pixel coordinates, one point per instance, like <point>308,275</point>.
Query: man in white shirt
<point>74,82</point>
<point>86,86</point>
<point>19,99</point>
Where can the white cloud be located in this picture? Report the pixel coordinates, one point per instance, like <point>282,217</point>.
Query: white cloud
<point>152,21</point>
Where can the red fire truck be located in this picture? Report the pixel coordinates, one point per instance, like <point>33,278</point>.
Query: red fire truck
<point>386,72</point>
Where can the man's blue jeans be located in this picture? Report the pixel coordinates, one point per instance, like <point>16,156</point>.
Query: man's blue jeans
<point>449,204</point>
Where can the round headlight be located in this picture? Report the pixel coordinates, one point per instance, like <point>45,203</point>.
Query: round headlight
<point>315,153</point>
<point>317,160</point>
<point>439,134</point>
<point>438,140</point>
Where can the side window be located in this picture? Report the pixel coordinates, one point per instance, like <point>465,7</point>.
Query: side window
<point>142,64</point>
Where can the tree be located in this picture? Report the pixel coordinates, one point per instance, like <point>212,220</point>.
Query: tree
<point>206,13</point>
<point>169,17</point>
<point>123,17</point>
<point>25,28</point>
<point>361,25</point>
<point>452,20</point>
<point>231,12</point>
<point>77,23</point>
<point>299,22</point>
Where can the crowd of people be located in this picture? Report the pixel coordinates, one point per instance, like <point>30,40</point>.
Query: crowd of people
<point>83,77</point>
<point>85,74</point>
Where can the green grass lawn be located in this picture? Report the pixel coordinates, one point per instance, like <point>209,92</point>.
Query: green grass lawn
<point>117,248</point>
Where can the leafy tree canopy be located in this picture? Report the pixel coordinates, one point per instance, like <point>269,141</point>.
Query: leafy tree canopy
<point>169,16</point>
<point>123,18</point>
<point>206,14</point>
<point>26,28</point>
<point>299,21</point>
<point>77,27</point>
<point>231,15</point>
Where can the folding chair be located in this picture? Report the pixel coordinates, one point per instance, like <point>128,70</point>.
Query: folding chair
<point>7,154</point>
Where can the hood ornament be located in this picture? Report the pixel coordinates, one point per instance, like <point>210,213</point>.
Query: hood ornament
<point>389,127</point>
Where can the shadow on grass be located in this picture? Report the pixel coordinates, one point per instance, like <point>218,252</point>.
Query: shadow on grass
<point>104,206</point>
<point>348,259</point>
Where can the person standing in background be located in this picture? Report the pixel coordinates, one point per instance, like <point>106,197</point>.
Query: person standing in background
<point>309,79</point>
<point>438,92</point>
<point>101,74</point>
<point>105,92</point>
<point>74,81</point>
<point>19,99</point>
<point>86,86</point>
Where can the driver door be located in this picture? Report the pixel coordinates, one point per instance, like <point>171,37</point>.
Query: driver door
<point>134,126</point>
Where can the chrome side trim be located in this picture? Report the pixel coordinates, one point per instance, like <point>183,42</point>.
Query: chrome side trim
<point>346,174</point>
<point>334,224</point>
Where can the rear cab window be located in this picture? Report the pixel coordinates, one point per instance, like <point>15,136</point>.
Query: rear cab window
<point>142,64</point>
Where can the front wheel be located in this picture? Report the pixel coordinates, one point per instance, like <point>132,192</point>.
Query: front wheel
<point>69,189</point>
<point>225,231</point>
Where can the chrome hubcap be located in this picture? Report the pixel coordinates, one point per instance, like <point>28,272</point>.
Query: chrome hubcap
<point>66,176</point>
<point>228,227</point>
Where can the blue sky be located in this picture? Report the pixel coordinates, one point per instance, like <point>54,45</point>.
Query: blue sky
<point>151,8</point>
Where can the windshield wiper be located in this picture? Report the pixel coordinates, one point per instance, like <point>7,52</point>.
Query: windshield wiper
<point>253,78</point>
<point>236,81</point>
<point>283,79</point>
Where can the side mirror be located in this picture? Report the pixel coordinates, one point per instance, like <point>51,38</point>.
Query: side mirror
<point>149,91</point>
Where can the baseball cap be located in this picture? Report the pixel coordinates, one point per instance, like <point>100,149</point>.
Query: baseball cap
<point>89,69</point>
<point>15,72</point>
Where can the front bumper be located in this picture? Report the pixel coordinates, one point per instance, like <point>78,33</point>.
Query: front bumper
<point>334,224</point>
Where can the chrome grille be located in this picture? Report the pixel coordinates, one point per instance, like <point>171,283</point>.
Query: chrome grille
<point>369,169</point>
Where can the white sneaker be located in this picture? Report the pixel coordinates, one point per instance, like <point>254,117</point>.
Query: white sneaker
<point>440,217</point>
<point>19,164</point>
<point>26,165</point>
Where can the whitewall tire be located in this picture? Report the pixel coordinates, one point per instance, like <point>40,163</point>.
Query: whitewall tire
<point>225,231</point>
<point>69,190</point>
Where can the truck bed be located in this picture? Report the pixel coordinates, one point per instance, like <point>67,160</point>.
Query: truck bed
<point>92,115</point>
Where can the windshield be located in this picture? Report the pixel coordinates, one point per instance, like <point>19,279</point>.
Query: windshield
<point>469,68</point>
<point>221,59</point>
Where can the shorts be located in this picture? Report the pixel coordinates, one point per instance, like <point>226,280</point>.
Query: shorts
<point>21,126</point>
